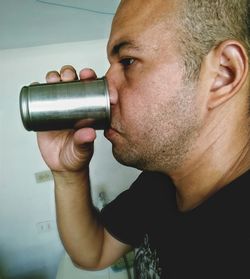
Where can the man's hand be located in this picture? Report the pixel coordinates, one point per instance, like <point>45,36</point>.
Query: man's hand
<point>70,150</point>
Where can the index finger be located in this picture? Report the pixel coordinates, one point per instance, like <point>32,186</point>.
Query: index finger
<point>88,74</point>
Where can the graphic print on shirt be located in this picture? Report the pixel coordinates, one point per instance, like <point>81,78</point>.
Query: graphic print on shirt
<point>146,265</point>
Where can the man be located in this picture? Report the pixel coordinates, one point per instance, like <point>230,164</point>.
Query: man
<point>179,89</point>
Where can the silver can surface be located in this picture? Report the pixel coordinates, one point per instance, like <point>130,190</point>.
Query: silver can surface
<point>65,105</point>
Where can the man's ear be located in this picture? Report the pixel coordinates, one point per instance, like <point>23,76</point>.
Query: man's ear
<point>231,69</point>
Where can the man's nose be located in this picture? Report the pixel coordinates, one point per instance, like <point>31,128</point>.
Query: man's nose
<point>112,88</point>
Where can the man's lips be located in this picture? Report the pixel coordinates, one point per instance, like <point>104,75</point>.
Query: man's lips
<point>111,132</point>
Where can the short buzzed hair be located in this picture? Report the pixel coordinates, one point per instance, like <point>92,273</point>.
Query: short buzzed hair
<point>204,24</point>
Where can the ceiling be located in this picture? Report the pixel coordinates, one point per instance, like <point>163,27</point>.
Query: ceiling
<point>26,23</point>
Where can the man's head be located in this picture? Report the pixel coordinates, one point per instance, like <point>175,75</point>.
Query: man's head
<point>166,75</point>
<point>205,24</point>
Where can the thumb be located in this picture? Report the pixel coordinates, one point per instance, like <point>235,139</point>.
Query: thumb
<point>84,135</point>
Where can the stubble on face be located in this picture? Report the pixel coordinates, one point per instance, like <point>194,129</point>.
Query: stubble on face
<point>164,135</point>
<point>168,136</point>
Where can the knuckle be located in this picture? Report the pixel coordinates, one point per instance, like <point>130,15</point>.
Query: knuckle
<point>52,76</point>
<point>68,73</point>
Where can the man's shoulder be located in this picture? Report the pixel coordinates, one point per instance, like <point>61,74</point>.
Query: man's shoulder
<point>153,187</point>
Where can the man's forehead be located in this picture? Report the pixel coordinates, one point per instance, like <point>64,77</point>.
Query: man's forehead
<point>134,17</point>
<point>132,9</point>
<point>142,6</point>
<point>140,13</point>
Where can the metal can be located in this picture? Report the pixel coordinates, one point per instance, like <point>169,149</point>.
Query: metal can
<point>65,105</point>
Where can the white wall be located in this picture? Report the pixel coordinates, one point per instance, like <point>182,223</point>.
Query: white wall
<point>25,251</point>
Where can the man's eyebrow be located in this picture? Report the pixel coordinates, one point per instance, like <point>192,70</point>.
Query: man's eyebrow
<point>128,44</point>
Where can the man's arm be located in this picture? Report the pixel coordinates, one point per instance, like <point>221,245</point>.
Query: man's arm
<point>67,154</point>
<point>89,245</point>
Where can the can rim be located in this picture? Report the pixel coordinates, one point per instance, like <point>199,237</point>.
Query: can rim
<point>108,110</point>
<point>23,103</point>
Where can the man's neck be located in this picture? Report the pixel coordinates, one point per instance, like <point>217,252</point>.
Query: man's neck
<point>207,172</point>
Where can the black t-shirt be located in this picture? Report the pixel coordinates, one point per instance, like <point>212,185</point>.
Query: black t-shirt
<point>211,241</point>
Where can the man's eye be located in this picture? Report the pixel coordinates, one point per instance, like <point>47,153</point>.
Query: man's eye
<point>127,62</point>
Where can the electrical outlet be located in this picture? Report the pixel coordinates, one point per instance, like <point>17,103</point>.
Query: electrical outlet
<point>43,176</point>
<point>45,226</point>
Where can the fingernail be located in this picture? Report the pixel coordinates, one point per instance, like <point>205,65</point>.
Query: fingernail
<point>67,74</point>
<point>52,76</point>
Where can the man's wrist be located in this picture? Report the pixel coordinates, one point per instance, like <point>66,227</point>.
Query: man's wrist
<point>71,178</point>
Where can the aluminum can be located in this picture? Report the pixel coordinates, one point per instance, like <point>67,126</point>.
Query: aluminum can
<point>65,105</point>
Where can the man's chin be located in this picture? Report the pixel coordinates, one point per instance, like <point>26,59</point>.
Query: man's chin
<point>124,159</point>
